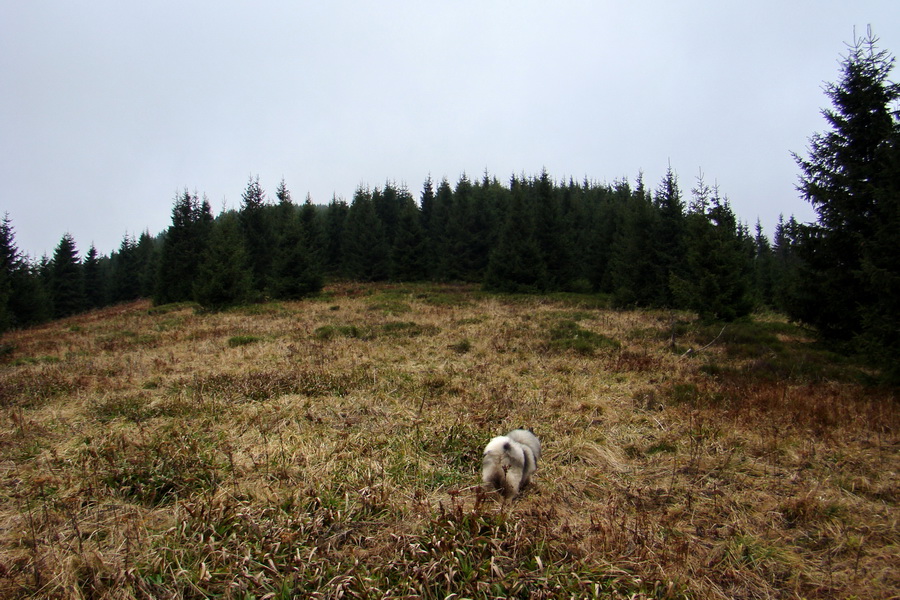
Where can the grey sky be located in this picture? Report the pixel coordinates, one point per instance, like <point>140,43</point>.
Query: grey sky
<point>108,107</point>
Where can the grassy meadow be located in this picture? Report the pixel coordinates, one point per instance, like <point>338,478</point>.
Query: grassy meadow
<point>330,448</point>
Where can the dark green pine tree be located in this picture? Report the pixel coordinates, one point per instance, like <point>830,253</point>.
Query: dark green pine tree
<point>365,251</point>
<point>633,268</point>
<point>456,253</point>
<point>604,212</point>
<point>575,228</point>
<point>669,235</point>
<point>426,204</point>
<point>517,263</point>
<point>716,280</point>
<point>147,264</point>
<point>126,281</point>
<point>850,180</point>
<point>786,264</point>
<point>95,285</point>
<point>257,233</point>
<point>312,223</point>
<point>436,230</point>
<point>550,234</point>
<point>388,203</point>
<point>9,264</point>
<point>283,212</point>
<point>763,269</point>
<point>24,299</point>
<point>409,256</point>
<point>335,220</point>
<point>881,272</point>
<point>469,233</point>
<point>30,301</point>
<point>183,244</point>
<point>67,279</point>
<point>427,219</point>
<point>296,270</point>
<point>223,274</point>
<point>283,194</point>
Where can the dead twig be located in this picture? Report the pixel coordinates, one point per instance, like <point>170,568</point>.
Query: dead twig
<point>691,351</point>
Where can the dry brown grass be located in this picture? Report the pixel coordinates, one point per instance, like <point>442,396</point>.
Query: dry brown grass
<point>330,448</point>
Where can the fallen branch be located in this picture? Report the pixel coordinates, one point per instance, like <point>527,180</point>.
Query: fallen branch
<point>691,351</point>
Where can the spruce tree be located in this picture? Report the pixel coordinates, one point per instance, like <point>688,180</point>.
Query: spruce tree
<point>365,251</point>
<point>850,180</point>
<point>296,271</point>
<point>9,264</point>
<point>763,269</point>
<point>257,234</point>
<point>633,267</point>
<point>223,275</point>
<point>30,303</point>
<point>549,232</point>
<point>335,220</point>
<point>603,214</point>
<point>126,282</point>
<point>457,252</point>
<point>441,267</point>
<point>409,260</point>
<point>387,204</point>
<point>786,264</point>
<point>283,212</point>
<point>67,279</point>
<point>23,296</point>
<point>881,273</point>
<point>311,222</point>
<point>183,245</point>
<point>147,264</point>
<point>669,235</point>
<point>715,281</point>
<point>517,263</point>
<point>426,214</point>
<point>95,288</point>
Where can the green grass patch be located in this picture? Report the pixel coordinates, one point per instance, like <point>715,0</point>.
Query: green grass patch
<point>163,309</point>
<point>36,360</point>
<point>583,300</point>
<point>661,447</point>
<point>567,335</point>
<point>242,340</point>
<point>329,332</point>
<point>407,329</point>
<point>461,347</point>
<point>131,407</point>
<point>391,307</point>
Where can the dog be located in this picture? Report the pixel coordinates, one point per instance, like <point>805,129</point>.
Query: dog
<point>509,461</point>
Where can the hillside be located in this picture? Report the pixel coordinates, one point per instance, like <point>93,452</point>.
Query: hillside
<point>331,448</point>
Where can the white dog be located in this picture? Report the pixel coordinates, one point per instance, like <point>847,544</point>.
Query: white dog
<point>510,460</point>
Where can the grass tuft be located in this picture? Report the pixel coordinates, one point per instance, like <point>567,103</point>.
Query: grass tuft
<point>567,335</point>
<point>242,340</point>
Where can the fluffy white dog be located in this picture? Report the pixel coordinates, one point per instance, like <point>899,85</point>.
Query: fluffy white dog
<point>509,461</point>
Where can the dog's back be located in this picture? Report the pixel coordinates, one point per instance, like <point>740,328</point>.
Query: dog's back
<point>527,438</point>
<point>510,460</point>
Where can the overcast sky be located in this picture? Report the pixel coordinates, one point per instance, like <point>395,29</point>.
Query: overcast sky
<point>109,107</point>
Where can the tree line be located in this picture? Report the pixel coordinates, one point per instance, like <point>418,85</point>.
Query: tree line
<point>532,234</point>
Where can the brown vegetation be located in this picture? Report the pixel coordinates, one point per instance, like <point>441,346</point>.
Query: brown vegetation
<point>331,447</point>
